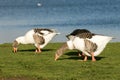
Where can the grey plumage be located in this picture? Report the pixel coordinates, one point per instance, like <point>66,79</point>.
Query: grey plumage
<point>38,39</point>
<point>82,33</point>
<point>61,50</point>
<point>15,44</point>
<point>37,30</point>
<point>90,46</point>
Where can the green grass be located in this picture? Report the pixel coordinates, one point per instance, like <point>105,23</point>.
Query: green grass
<point>26,65</point>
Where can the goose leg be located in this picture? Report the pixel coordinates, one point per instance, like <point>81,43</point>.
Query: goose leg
<point>38,41</point>
<point>85,58</point>
<point>93,58</point>
<point>38,50</point>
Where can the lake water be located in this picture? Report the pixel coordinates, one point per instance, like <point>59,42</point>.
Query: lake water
<point>98,16</point>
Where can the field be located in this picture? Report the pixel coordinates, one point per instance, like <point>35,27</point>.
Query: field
<point>26,65</point>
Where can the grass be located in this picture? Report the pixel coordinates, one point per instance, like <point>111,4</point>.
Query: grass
<point>26,65</point>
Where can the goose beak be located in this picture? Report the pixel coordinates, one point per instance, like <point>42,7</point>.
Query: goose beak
<point>14,49</point>
<point>56,57</point>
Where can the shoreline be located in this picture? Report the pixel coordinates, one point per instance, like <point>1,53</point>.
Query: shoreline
<point>49,43</point>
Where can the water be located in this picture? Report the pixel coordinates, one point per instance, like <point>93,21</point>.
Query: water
<point>98,16</point>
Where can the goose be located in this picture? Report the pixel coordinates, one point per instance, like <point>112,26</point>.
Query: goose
<point>40,37</point>
<point>83,40</point>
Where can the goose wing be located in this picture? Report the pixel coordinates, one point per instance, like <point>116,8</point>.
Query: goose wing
<point>39,40</point>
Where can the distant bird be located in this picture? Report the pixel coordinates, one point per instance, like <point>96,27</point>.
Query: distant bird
<point>39,37</point>
<point>39,4</point>
<point>83,40</point>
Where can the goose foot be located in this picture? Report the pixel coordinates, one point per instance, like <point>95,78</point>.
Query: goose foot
<point>93,58</point>
<point>38,51</point>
